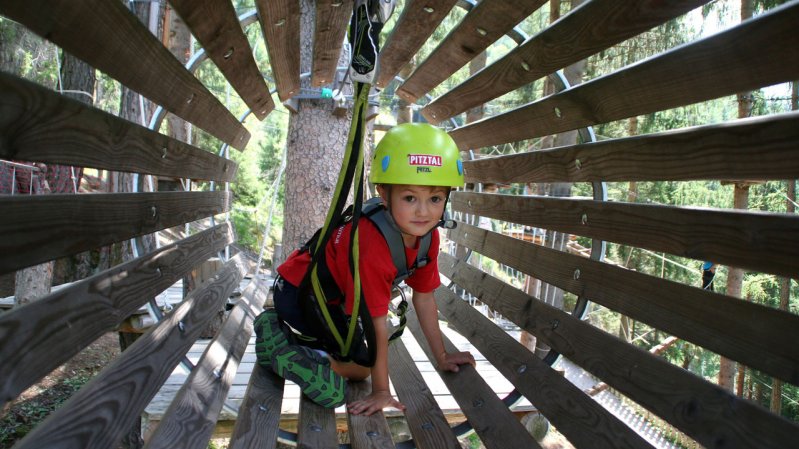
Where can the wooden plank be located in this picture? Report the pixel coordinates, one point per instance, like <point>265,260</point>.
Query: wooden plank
<point>758,336</point>
<point>217,29</point>
<point>280,24</point>
<point>589,29</point>
<point>316,426</point>
<point>32,342</point>
<point>497,427</point>
<point>259,414</point>
<point>332,21</point>
<point>482,26</point>
<point>60,130</point>
<point>576,415</point>
<point>428,425</point>
<point>758,148</point>
<point>760,52</point>
<point>707,413</point>
<point>109,37</point>
<point>414,26</point>
<point>107,407</point>
<point>190,420</point>
<point>39,228</point>
<point>767,242</point>
<point>366,431</point>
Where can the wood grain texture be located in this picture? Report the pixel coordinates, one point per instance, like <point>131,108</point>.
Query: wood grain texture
<point>44,227</point>
<point>759,52</point>
<point>367,431</point>
<point>190,420</point>
<point>761,148</point>
<point>316,426</point>
<point>589,29</point>
<point>40,125</point>
<point>109,37</point>
<point>709,414</point>
<point>101,412</point>
<point>259,413</point>
<point>428,425</point>
<point>414,26</point>
<point>332,21</point>
<point>215,26</point>
<point>494,423</point>
<point>576,415</point>
<point>767,242</point>
<point>758,336</point>
<point>280,24</point>
<point>482,26</point>
<point>32,338</point>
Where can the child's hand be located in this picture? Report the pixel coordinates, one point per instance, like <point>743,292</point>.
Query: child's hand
<point>375,402</point>
<point>450,361</point>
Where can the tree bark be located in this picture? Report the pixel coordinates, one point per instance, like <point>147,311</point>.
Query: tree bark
<point>315,149</point>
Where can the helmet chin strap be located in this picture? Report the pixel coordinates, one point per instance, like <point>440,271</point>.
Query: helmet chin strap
<point>445,221</point>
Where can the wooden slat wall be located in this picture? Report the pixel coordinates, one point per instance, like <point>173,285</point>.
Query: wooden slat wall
<point>768,45</point>
<point>95,306</point>
<point>589,29</point>
<point>42,228</point>
<point>415,25</point>
<point>576,415</point>
<point>757,148</point>
<point>61,130</point>
<point>107,407</point>
<point>332,21</point>
<point>481,27</point>
<point>190,420</point>
<point>497,427</point>
<point>216,27</point>
<point>768,242</point>
<point>710,415</point>
<point>280,24</point>
<point>725,325</point>
<point>109,37</point>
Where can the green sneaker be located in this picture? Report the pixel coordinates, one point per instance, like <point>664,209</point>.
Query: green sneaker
<point>311,371</point>
<point>269,337</point>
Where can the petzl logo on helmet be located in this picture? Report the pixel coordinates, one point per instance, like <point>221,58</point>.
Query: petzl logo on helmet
<point>424,159</point>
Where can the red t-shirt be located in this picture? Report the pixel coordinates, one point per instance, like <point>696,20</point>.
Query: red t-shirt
<point>376,266</point>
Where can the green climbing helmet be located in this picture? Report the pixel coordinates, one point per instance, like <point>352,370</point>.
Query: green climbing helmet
<point>417,154</point>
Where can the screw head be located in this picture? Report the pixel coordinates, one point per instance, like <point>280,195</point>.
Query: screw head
<point>558,114</point>
<point>578,164</point>
<point>428,9</point>
<point>481,31</point>
<point>228,53</point>
<point>525,66</point>
<point>576,274</point>
<point>584,219</point>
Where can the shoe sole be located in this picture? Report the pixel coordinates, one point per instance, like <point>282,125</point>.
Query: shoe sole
<point>269,337</point>
<point>316,380</point>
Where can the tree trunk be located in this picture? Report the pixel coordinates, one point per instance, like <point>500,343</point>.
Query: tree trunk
<point>315,149</point>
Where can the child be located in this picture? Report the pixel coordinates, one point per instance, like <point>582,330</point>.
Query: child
<point>414,167</point>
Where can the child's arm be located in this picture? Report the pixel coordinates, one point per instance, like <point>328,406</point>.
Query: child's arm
<point>427,312</point>
<point>380,397</point>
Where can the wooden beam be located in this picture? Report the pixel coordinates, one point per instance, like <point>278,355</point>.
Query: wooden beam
<point>576,415</point>
<point>767,242</point>
<point>101,412</point>
<point>258,422</point>
<point>589,29</point>
<point>332,21</point>
<point>108,36</point>
<point>711,415</point>
<point>481,27</point>
<point>367,431</point>
<point>39,228</point>
<point>740,330</point>
<point>488,415</point>
<point>217,29</point>
<point>190,420</point>
<point>414,26</point>
<point>757,148</point>
<point>759,52</point>
<point>316,426</point>
<point>32,342</point>
<point>428,425</point>
<point>60,130</point>
<point>280,24</point>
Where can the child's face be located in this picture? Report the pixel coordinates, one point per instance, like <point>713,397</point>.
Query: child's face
<point>415,209</point>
